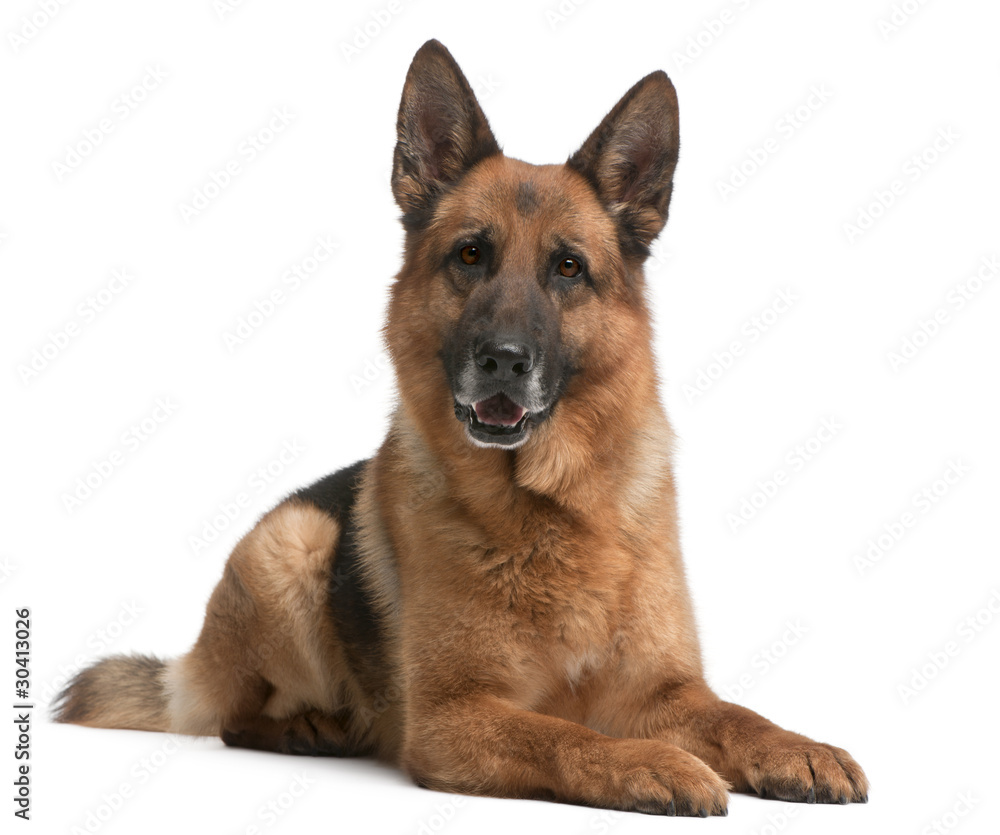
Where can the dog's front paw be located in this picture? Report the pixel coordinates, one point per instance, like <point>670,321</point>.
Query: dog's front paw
<point>798,769</point>
<point>659,779</point>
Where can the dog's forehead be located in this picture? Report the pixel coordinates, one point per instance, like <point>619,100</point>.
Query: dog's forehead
<point>520,196</point>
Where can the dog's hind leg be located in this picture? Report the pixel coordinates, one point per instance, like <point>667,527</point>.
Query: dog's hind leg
<point>314,734</point>
<point>267,652</point>
<point>270,668</point>
<point>267,646</point>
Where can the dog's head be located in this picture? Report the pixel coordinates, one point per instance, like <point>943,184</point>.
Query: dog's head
<point>520,306</point>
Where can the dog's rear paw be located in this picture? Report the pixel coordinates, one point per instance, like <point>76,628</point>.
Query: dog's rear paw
<point>807,772</point>
<point>312,734</point>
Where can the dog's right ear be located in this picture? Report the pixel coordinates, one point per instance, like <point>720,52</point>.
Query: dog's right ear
<point>441,132</point>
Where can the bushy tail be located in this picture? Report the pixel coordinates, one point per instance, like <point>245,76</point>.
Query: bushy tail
<point>123,691</point>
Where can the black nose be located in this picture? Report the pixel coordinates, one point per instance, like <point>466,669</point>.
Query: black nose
<point>505,360</point>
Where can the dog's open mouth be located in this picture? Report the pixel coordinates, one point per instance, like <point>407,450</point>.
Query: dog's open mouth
<point>498,420</point>
<point>499,413</point>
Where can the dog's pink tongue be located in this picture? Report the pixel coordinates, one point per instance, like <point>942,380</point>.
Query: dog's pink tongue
<point>499,410</point>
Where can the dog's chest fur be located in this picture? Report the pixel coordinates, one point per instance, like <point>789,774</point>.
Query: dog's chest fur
<point>563,599</point>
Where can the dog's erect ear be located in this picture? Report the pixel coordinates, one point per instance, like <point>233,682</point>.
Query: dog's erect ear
<point>630,158</point>
<point>441,131</point>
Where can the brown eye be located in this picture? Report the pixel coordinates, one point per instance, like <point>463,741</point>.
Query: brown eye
<point>470,254</point>
<point>569,267</point>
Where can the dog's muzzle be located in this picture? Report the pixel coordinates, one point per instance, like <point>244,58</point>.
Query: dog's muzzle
<point>500,398</point>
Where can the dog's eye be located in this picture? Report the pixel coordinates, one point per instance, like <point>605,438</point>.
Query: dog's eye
<point>569,267</point>
<point>470,254</point>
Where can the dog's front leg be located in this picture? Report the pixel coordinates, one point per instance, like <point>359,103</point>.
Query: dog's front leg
<point>486,745</point>
<point>756,755</point>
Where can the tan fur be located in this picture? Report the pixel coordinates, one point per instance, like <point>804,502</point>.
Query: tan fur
<point>537,636</point>
<point>124,691</point>
<point>265,620</point>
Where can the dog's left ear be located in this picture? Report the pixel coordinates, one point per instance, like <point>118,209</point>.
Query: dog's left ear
<point>631,157</point>
<point>441,131</point>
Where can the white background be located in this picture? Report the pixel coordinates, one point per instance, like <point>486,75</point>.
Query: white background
<point>311,376</point>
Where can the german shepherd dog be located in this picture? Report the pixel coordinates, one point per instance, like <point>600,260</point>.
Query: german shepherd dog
<point>496,600</point>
